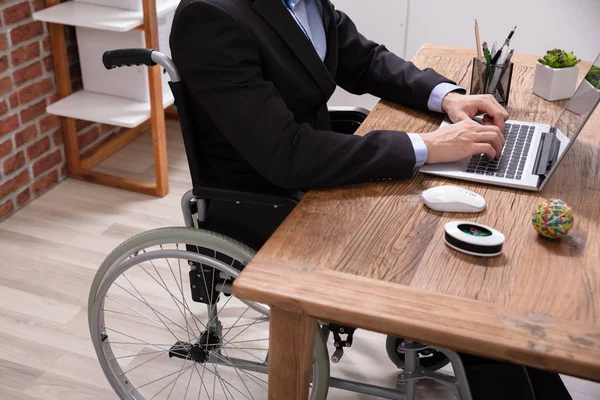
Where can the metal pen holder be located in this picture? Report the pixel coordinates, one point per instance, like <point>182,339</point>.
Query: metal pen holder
<point>494,79</point>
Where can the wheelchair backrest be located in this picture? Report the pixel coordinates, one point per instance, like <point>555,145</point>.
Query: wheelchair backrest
<point>183,104</point>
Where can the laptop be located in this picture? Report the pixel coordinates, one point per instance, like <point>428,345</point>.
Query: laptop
<point>533,151</point>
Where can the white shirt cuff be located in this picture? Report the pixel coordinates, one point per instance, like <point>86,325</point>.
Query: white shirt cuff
<point>420,148</point>
<point>439,93</point>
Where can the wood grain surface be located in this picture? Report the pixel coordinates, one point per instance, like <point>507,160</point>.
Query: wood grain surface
<point>293,356</point>
<point>383,230</point>
<point>50,251</point>
<point>465,325</point>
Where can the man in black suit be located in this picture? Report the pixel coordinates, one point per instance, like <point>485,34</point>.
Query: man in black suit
<point>260,73</point>
<point>261,90</point>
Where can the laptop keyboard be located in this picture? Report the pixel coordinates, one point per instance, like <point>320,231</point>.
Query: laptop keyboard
<point>512,160</point>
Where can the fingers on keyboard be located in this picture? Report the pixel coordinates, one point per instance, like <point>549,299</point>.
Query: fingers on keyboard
<point>511,162</point>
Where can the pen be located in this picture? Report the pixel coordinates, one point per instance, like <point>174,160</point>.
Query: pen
<point>507,62</point>
<point>504,47</point>
<point>505,67</point>
<point>510,35</point>
<point>504,63</point>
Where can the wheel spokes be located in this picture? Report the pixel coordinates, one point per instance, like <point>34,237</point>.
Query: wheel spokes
<point>139,300</point>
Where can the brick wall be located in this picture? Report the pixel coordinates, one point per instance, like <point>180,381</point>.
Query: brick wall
<point>32,156</point>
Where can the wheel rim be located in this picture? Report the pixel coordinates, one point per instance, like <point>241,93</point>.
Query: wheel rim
<point>121,296</point>
<point>179,383</point>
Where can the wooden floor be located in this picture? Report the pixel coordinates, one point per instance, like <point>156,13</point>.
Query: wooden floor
<point>49,253</point>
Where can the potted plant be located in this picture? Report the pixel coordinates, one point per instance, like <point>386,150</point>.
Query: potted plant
<point>584,100</point>
<point>593,77</point>
<point>556,75</point>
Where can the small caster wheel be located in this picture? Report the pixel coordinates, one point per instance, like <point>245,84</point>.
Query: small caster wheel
<point>429,359</point>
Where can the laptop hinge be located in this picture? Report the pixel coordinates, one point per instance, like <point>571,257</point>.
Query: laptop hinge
<point>547,153</point>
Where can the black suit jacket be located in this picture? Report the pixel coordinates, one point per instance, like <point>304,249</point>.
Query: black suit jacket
<point>260,92</point>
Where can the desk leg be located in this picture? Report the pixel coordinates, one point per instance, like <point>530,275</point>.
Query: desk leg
<point>291,350</point>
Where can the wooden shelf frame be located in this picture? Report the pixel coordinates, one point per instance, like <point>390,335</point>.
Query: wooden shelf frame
<point>82,168</point>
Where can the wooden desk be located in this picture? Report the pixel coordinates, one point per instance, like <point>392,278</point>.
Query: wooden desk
<point>372,256</point>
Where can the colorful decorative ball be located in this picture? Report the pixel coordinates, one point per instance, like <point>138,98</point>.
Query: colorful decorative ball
<point>553,218</point>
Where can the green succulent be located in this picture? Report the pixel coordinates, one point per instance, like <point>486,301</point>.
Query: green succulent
<point>593,77</point>
<point>559,59</point>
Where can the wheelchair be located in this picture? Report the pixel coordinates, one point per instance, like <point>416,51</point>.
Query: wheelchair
<point>162,317</point>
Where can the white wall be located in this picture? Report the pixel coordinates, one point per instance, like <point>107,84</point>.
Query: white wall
<point>383,21</point>
<point>542,24</point>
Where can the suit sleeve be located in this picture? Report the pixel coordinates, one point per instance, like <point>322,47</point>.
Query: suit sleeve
<point>220,63</point>
<point>367,67</point>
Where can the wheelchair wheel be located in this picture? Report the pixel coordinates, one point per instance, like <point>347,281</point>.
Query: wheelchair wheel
<point>429,359</point>
<point>155,339</point>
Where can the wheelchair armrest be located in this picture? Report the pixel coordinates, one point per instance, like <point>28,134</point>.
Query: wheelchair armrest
<point>356,114</point>
<point>347,119</point>
<point>279,198</point>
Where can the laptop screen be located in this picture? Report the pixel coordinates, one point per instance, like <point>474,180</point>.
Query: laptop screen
<point>582,104</point>
<point>579,109</point>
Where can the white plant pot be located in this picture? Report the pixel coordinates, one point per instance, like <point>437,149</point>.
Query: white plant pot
<point>584,99</point>
<point>555,84</point>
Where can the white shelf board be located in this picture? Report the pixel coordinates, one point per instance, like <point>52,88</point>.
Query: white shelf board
<point>99,17</point>
<point>112,110</point>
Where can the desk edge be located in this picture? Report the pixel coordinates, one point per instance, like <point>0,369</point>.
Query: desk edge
<point>494,331</point>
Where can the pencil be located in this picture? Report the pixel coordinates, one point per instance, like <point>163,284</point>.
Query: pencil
<point>488,61</point>
<point>477,39</point>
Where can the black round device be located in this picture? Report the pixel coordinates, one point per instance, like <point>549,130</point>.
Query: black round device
<point>474,239</point>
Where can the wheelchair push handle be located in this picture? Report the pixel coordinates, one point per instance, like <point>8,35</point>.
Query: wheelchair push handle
<point>127,58</point>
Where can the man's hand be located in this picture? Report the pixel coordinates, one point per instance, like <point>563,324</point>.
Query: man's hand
<point>464,139</point>
<point>460,108</point>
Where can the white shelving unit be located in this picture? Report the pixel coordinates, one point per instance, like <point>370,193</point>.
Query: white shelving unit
<point>98,107</point>
<point>106,109</point>
<point>99,28</point>
<point>99,17</point>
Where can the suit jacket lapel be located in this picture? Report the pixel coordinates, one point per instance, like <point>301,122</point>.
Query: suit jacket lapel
<point>275,14</point>
<point>331,59</point>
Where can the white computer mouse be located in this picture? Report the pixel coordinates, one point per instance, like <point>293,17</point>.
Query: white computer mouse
<point>453,199</point>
